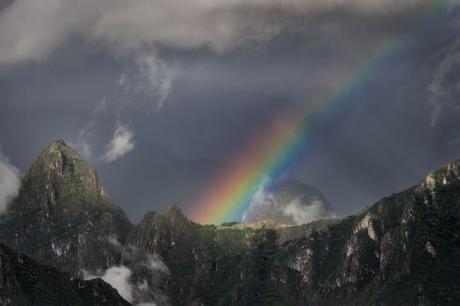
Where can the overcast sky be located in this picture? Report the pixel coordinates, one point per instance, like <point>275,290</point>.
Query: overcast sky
<point>158,95</point>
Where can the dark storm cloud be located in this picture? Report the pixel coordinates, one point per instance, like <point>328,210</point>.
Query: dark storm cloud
<point>215,90</point>
<point>31,30</point>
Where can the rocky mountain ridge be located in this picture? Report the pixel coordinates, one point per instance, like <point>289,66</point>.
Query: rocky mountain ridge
<point>404,250</point>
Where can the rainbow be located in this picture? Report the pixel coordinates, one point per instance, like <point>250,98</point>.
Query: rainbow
<point>269,155</point>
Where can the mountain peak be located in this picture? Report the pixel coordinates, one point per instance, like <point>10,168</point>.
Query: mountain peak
<point>61,160</point>
<point>59,149</point>
<point>62,199</point>
<point>61,175</point>
<point>174,211</point>
<point>58,141</point>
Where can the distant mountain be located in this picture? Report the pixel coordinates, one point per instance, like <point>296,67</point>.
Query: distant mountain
<point>404,250</point>
<point>23,282</point>
<point>288,202</point>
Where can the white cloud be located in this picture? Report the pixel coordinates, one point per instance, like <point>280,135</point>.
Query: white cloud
<point>140,258</point>
<point>302,214</point>
<point>33,29</point>
<point>9,182</point>
<point>137,281</point>
<point>119,278</point>
<point>121,144</point>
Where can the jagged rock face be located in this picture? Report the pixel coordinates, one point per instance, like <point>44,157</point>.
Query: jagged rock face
<point>404,250</point>
<point>26,282</point>
<point>173,237</point>
<point>199,257</point>
<point>289,202</point>
<point>63,216</point>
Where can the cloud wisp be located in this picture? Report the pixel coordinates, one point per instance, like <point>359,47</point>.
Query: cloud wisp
<point>119,278</point>
<point>445,86</point>
<point>121,144</point>
<point>138,278</point>
<point>9,182</point>
<point>149,80</point>
<point>302,214</point>
<point>153,78</point>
